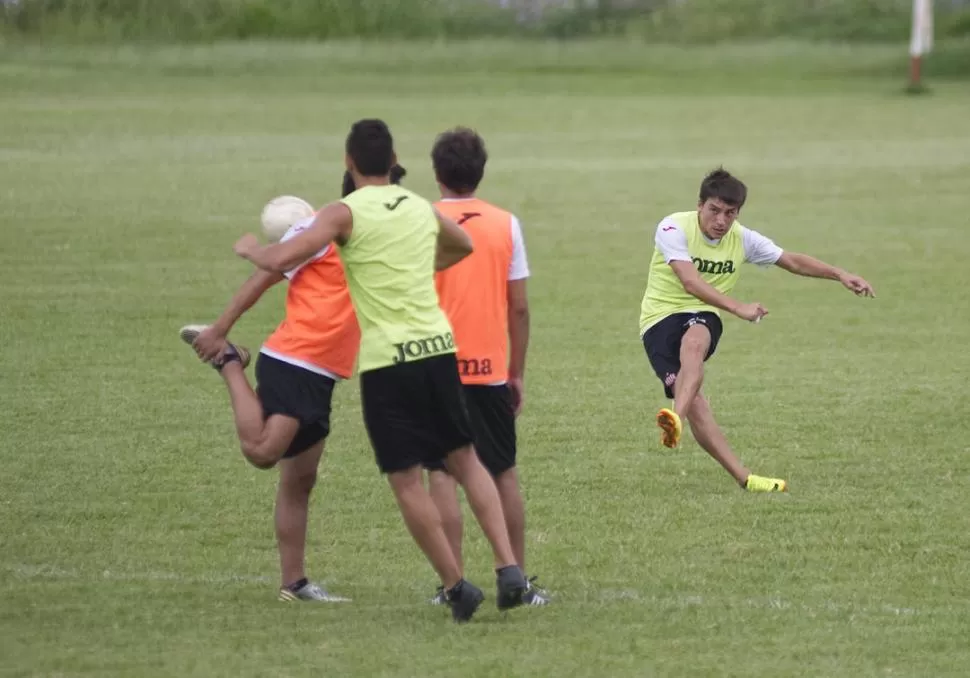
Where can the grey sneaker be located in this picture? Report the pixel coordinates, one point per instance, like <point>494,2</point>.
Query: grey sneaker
<point>310,592</point>
<point>535,594</point>
<point>189,333</point>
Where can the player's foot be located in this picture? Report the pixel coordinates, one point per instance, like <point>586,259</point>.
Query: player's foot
<point>669,423</point>
<point>189,333</point>
<point>464,599</point>
<point>535,594</point>
<point>512,586</point>
<point>439,597</point>
<point>308,591</point>
<point>760,484</point>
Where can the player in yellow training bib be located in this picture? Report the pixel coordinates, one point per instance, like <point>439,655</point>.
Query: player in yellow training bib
<point>695,266</point>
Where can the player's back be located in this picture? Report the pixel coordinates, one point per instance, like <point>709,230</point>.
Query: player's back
<point>474,293</point>
<point>389,262</point>
<point>319,331</point>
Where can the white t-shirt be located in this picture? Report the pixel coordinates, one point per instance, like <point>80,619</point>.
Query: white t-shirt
<point>671,241</point>
<point>292,232</point>
<point>519,266</point>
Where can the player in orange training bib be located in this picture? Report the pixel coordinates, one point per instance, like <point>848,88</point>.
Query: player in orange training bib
<point>485,300</point>
<point>286,420</point>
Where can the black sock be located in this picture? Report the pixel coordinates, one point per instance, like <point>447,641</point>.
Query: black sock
<point>298,584</point>
<point>500,570</point>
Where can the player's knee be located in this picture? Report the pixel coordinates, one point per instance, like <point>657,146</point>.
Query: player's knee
<point>302,483</point>
<point>259,456</point>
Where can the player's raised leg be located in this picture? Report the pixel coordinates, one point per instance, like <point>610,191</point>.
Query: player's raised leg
<point>709,436</point>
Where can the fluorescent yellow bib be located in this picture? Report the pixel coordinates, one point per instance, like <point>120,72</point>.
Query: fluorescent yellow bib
<point>718,264</point>
<point>389,263</point>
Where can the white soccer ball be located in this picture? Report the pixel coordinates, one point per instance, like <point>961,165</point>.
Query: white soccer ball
<point>281,213</point>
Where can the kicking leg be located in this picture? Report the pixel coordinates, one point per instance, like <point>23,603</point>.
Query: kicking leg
<point>709,436</point>
<point>693,349</point>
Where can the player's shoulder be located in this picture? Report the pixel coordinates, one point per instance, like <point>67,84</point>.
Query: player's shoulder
<point>676,221</point>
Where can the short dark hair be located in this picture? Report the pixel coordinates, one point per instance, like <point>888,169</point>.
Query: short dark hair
<point>371,147</point>
<point>397,173</point>
<point>459,158</point>
<point>724,186</point>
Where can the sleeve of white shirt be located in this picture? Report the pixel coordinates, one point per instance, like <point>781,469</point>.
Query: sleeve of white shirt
<point>758,249</point>
<point>671,242</point>
<point>519,266</point>
<point>291,233</point>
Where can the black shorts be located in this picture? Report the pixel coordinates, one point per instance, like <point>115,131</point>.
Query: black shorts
<point>492,418</point>
<point>414,412</point>
<point>662,342</point>
<point>295,392</point>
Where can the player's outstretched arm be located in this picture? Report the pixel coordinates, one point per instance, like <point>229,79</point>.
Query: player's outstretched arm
<point>802,264</point>
<point>695,285</point>
<point>212,340</point>
<point>453,243</point>
<point>333,223</point>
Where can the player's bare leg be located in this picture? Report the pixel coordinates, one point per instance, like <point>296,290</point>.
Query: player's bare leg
<point>693,349</point>
<point>263,443</point>
<point>486,504</point>
<point>463,464</point>
<point>444,492</point>
<point>709,436</point>
<point>424,523</point>
<point>298,475</point>
<point>513,507</point>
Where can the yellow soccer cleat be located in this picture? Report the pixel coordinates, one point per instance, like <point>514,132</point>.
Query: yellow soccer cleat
<point>761,484</point>
<point>669,423</point>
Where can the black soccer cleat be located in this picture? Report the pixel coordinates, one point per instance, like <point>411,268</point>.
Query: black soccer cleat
<point>512,585</point>
<point>464,598</point>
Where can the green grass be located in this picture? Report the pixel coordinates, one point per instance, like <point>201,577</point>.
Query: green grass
<point>134,540</point>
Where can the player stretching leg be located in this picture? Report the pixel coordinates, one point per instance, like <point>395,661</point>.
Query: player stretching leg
<point>285,422</point>
<point>391,242</point>
<point>696,263</point>
<point>485,300</point>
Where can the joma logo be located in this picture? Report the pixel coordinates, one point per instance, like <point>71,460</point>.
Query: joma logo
<point>713,267</point>
<point>420,348</point>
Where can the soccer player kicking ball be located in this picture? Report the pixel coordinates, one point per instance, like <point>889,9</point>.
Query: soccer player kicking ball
<point>391,242</point>
<point>485,300</point>
<point>287,419</point>
<point>695,265</point>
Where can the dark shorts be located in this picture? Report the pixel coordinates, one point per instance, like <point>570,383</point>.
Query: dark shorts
<point>662,342</point>
<point>414,412</point>
<point>492,418</point>
<point>295,392</point>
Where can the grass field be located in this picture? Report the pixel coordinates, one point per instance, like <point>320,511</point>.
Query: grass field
<point>134,540</point>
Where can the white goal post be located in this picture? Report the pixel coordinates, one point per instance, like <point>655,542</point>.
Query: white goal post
<point>921,39</point>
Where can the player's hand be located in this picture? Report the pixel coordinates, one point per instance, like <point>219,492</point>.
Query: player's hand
<point>246,245</point>
<point>857,285</point>
<point>210,343</point>
<point>517,390</point>
<point>751,312</point>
